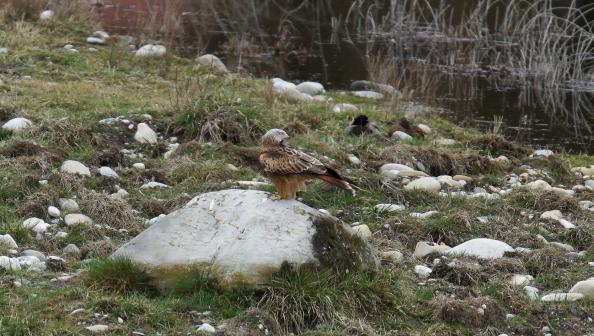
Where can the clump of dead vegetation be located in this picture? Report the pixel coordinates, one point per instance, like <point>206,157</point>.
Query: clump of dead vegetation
<point>496,144</point>
<point>459,273</point>
<point>476,312</point>
<point>296,127</point>
<point>580,238</point>
<point>545,260</point>
<point>35,205</point>
<point>107,210</point>
<point>216,120</point>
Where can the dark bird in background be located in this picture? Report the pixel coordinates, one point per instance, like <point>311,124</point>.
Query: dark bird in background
<point>289,168</point>
<point>361,125</point>
<point>404,125</point>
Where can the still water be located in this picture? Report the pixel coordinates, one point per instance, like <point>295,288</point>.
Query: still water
<point>313,42</point>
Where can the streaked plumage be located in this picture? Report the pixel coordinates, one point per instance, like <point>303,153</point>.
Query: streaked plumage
<point>289,168</point>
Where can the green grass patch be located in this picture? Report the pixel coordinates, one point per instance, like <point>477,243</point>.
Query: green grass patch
<point>119,275</point>
<point>303,298</point>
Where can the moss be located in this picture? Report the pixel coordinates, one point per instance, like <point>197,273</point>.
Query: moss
<point>337,247</point>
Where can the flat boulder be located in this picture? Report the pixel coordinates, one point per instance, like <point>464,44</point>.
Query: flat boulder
<point>241,237</point>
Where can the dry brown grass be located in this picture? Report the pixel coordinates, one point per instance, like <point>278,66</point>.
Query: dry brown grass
<point>551,200</point>
<point>476,312</point>
<point>545,260</point>
<point>460,274</point>
<point>106,210</point>
<point>495,144</point>
<point>97,249</point>
<point>36,204</point>
<point>296,127</point>
<point>580,238</point>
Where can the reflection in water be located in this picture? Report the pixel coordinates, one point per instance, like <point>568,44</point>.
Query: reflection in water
<point>529,62</point>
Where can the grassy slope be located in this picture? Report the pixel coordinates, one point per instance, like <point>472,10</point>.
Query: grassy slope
<point>69,93</point>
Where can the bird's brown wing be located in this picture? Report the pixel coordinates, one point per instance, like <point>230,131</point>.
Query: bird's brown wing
<point>286,160</point>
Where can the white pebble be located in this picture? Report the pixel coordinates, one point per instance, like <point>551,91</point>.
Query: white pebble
<point>53,211</point>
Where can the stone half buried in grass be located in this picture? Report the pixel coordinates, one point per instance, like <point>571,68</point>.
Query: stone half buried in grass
<point>241,237</point>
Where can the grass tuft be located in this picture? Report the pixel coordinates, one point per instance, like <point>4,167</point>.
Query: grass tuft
<point>303,298</point>
<point>119,275</point>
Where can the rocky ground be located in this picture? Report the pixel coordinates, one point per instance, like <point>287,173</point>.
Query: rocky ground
<point>476,235</point>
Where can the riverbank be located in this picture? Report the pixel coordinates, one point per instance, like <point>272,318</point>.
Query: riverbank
<point>150,133</point>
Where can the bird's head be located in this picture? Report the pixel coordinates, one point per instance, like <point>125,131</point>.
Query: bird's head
<point>274,137</point>
<point>361,120</point>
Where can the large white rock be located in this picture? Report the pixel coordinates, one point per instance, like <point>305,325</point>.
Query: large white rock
<point>585,287</point>
<point>213,63</point>
<point>151,50</point>
<point>17,124</point>
<point>145,134</point>
<point>7,242</point>
<point>311,88</point>
<point>75,167</point>
<point>242,236</point>
<point>483,248</point>
<point>429,184</point>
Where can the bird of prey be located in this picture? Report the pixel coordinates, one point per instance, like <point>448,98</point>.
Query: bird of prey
<point>362,125</point>
<point>289,168</point>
